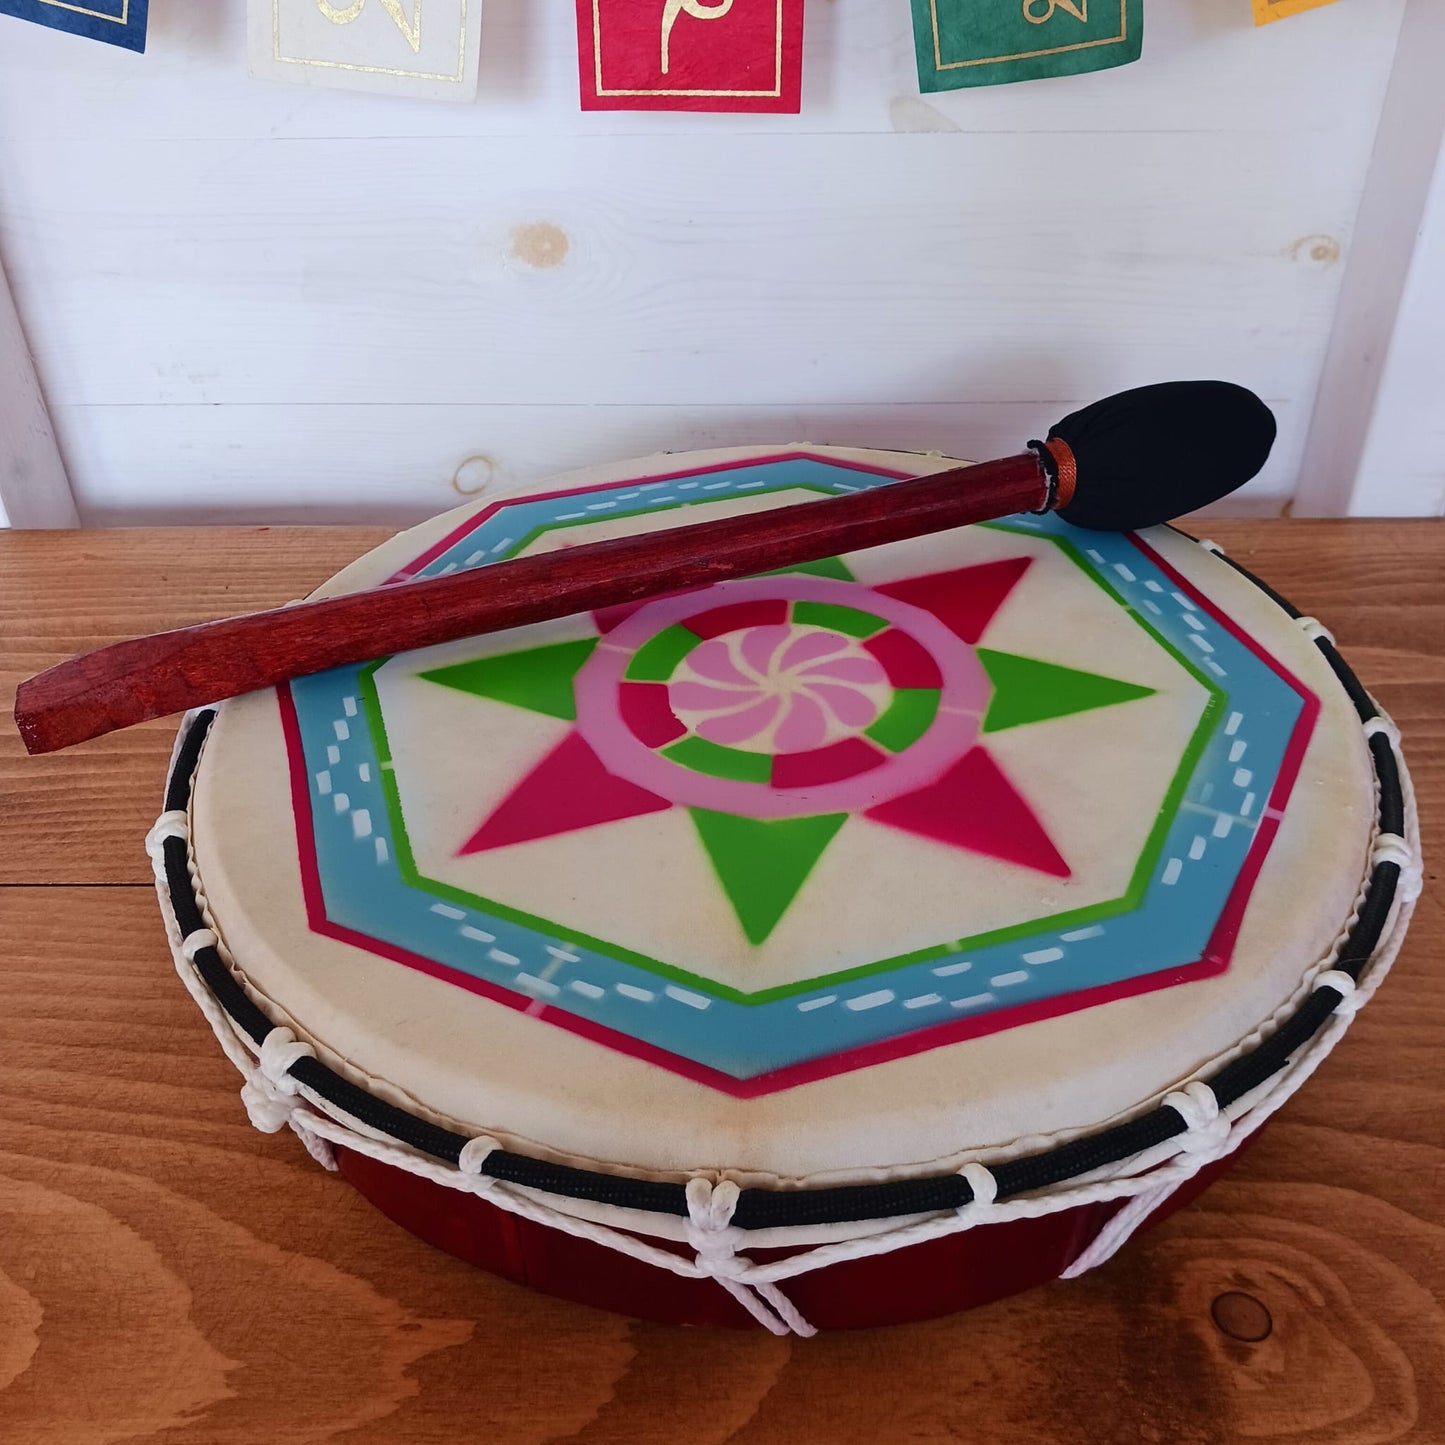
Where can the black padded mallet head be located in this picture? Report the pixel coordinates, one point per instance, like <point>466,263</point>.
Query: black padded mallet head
<point>1157,452</point>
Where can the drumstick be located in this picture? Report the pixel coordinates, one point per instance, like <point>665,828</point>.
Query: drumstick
<point>1126,462</point>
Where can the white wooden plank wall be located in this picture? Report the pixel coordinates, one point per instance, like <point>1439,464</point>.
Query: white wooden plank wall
<point>254,302</point>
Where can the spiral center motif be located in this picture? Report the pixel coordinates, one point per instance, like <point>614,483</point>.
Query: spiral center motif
<point>780,688</point>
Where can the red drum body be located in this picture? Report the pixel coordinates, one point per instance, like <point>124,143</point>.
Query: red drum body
<point>848,944</point>
<point>921,1282</point>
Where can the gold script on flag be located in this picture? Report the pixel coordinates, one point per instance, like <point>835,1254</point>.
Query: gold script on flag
<point>411,29</point>
<point>698,10</point>
<point>1079,9</point>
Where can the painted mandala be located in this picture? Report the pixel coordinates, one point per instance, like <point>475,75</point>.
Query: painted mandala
<point>776,829</point>
<point>777,709</point>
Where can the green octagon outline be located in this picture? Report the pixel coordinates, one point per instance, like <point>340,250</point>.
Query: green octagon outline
<point>1138,881</point>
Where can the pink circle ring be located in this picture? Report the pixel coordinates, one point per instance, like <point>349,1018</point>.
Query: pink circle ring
<point>963,697</point>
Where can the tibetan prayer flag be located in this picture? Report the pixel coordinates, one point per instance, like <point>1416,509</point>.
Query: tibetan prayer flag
<point>429,49</point>
<point>727,55</point>
<point>117,22</point>
<point>989,42</point>
<point>1267,10</point>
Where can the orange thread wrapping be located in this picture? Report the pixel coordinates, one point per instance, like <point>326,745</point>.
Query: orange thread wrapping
<point>1063,455</point>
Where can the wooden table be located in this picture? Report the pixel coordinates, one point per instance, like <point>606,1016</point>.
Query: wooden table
<point>168,1274</point>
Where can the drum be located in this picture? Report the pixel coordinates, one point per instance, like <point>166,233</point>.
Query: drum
<point>843,945</point>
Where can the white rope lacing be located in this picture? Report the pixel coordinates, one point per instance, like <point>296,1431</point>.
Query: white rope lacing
<point>715,1240</point>
<point>274,1098</point>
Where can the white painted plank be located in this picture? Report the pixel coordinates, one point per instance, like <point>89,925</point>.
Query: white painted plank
<point>1405,157</point>
<point>745,270</point>
<point>396,464</point>
<point>1402,470</point>
<point>34,491</point>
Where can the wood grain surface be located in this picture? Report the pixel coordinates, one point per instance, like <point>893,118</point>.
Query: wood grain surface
<point>167,1274</point>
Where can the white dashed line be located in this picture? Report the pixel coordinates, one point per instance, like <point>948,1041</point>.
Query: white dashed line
<point>508,960</point>
<point>383,853</point>
<point>1202,643</point>
<point>477,935</point>
<point>1184,602</point>
<point>1214,667</point>
<point>348,706</point>
<point>1078,935</point>
<point>342,731</point>
<point>587,990</point>
<point>475,558</point>
<point>531,982</point>
<point>1243,777</point>
<point>500,546</point>
<point>1095,556</point>
<point>1222,824</point>
<point>341,801</point>
<point>1232,726</point>
<point>923,1000</point>
<point>1124,572</point>
<point>809,1004</point>
<point>361,823</point>
<point>1153,586</point>
<point>569,516</point>
<point>947,970</point>
<point>1044,955</point>
<point>750,486</point>
<point>564,955</point>
<point>363,771</point>
<point>717,486</point>
<point>682,995</point>
<point>869,1000</point>
<point>1171,873</point>
<point>1190,620</point>
<point>628,990</point>
<point>447,911</point>
<point>1197,847</point>
<point>1008,980</point>
<point>323,782</point>
<point>974,1000</point>
<point>1154,607</point>
<point>1237,751</point>
<point>333,754</point>
<point>1247,806</point>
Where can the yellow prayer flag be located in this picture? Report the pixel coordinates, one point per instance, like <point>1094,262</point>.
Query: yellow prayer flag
<point>1267,10</point>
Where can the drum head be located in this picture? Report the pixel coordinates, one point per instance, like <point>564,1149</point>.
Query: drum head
<point>938,851</point>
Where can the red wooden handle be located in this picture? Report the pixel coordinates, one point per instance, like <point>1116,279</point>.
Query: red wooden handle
<point>148,677</point>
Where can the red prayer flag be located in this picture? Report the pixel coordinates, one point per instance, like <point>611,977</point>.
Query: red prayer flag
<point>722,55</point>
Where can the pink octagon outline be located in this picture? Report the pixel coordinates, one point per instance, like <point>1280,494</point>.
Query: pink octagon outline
<point>962,700</point>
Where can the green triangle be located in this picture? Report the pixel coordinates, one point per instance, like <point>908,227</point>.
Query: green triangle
<point>824,567</point>
<point>762,864</point>
<point>539,679</point>
<point>1027,691</point>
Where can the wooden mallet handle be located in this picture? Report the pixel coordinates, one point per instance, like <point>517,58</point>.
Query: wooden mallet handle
<point>149,677</point>
<point>1139,458</point>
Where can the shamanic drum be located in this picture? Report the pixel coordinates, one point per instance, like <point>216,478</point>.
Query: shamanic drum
<point>840,946</point>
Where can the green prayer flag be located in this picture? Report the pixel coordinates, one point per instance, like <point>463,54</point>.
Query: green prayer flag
<point>991,42</point>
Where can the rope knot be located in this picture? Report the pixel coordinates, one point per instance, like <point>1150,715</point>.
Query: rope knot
<point>981,1181</point>
<point>1207,1127</point>
<point>1314,629</point>
<point>715,1239</point>
<point>269,1094</point>
<point>1392,848</point>
<point>171,824</point>
<point>474,1155</point>
<point>1350,1001</point>
<point>710,1229</point>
